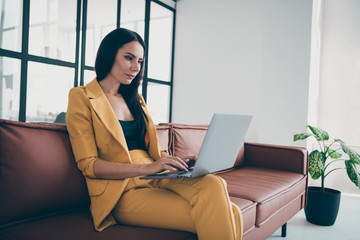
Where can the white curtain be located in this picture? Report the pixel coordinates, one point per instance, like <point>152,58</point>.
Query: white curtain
<point>334,94</point>
<point>339,70</point>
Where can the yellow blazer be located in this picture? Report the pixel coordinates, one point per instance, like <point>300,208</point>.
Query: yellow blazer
<point>95,132</point>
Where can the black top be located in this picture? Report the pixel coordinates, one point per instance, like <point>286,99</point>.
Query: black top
<point>131,135</point>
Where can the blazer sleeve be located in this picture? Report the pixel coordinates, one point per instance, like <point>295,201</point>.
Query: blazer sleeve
<point>81,133</point>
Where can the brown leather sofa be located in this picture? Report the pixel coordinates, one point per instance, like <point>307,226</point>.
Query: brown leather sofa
<point>44,196</point>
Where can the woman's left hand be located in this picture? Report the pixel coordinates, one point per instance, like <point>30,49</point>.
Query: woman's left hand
<point>190,161</point>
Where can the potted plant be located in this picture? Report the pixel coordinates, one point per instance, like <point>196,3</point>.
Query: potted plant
<point>323,203</point>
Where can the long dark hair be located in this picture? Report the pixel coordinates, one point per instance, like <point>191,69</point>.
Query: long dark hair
<point>105,59</point>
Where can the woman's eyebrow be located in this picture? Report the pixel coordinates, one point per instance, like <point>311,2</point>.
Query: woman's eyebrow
<point>132,55</point>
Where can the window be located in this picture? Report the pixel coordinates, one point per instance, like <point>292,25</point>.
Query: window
<point>49,46</point>
<point>158,82</point>
<point>158,108</point>
<point>48,86</point>
<point>160,41</point>
<point>10,24</point>
<point>9,88</point>
<point>52,34</point>
<point>101,19</point>
<point>133,15</point>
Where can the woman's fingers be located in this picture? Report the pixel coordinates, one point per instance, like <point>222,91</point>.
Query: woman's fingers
<point>190,161</point>
<point>177,162</point>
<point>172,164</point>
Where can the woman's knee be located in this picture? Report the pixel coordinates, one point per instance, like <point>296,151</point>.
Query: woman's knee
<point>215,182</point>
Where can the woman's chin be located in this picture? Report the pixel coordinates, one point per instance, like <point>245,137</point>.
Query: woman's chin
<point>126,82</point>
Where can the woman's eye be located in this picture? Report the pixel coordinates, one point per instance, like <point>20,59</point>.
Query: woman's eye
<point>128,58</point>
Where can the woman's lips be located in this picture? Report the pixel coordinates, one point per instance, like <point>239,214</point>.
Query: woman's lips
<point>130,76</point>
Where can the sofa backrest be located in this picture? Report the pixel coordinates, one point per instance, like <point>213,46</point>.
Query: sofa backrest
<point>38,175</point>
<point>186,140</point>
<point>164,135</point>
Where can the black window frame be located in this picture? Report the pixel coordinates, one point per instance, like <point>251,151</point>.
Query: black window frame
<point>79,65</point>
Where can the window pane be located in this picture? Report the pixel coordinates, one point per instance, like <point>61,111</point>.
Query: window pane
<point>47,91</point>
<point>133,15</point>
<point>52,30</point>
<point>101,19</point>
<point>9,88</point>
<point>140,89</point>
<point>160,42</point>
<point>89,76</point>
<point>170,3</point>
<point>158,100</point>
<point>10,24</point>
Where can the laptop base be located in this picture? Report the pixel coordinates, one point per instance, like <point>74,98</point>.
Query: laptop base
<point>180,174</point>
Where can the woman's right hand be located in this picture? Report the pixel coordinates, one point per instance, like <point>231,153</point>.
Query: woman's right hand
<point>170,163</point>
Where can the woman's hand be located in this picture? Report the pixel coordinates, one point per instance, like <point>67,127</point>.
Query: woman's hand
<point>190,161</point>
<point>112,170</point>
<point>169,163</point>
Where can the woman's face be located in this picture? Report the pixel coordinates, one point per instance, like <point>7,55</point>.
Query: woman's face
<point>127,62</point>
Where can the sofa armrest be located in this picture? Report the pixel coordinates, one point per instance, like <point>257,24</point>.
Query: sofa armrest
<point>294,159</point>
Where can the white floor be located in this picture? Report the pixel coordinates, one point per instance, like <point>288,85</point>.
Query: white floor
<point>346,227</point>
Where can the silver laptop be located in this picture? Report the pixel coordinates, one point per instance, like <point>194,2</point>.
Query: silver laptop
<point>220,148</point>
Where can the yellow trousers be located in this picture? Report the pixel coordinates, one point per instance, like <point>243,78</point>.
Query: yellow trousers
<point>199,205</point>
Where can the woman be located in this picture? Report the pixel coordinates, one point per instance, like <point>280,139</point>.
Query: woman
<point>114,142</point>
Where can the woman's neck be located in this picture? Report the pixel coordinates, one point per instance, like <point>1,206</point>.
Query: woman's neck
<point>110,85</point>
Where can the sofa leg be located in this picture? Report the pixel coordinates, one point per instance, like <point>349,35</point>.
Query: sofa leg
<point>283,230</point>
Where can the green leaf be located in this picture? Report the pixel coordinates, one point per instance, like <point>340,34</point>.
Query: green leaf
<point>319,133</point>
<point>343,146</point>
<point>352,172</point>
<point>301,136</point>
<point>316,164</point>
<point>354,156</point>
<point>332,153</point>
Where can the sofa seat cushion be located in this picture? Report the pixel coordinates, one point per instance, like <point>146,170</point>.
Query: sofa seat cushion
<point>78,225</point>
<point>248,210</point>
<point>271,189</point>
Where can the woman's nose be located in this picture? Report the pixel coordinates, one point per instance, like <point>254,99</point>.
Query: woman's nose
<point>135,66</point>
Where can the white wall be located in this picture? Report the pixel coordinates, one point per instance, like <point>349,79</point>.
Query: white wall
<point>246,57</point>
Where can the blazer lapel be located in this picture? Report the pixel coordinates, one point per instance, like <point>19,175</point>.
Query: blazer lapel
<point>107,115</point>
<point>105,112</point>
